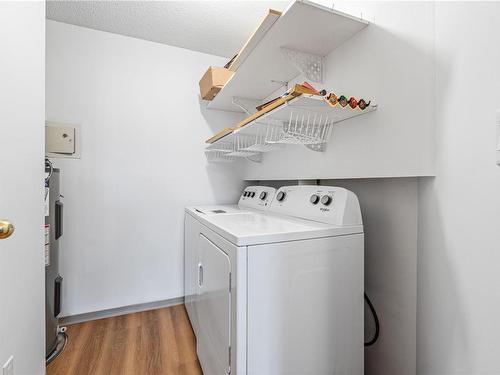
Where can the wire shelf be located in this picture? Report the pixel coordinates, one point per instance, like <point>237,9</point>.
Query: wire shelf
<point>232,148</point>
<point>306,128</point>
<point>242,146</point>
<point>265,138</point>
<point>222,146</point>
<point>218,156</point>
<point>306,120</point>
<point>242,153</point>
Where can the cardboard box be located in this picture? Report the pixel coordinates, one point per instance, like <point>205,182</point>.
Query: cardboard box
<point>213,81</point>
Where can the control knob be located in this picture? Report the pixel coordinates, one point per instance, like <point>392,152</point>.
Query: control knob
<point>281,196</point>
<point>263,195</point>
<point>314,199</point>
<point>326,200</point>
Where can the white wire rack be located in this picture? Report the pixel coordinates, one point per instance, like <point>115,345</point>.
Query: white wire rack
<point>242,146</point>
<point>218,156</point>
<point>225,146</point>
<point>265,137</point>
<point>234,146</point>
<point>231,149</point>
<point>305,120</point>
<point>304,127</point>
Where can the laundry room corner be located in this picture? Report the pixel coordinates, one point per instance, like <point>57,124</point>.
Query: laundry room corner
<point>142,132</point>
<point>271,187</point>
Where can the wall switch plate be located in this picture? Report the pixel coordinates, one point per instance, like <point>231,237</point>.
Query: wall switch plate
<point>62,140</point>
<point>8,367</point>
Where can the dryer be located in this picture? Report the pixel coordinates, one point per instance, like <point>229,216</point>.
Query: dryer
<point>253,198</point>
<point>281,291</point>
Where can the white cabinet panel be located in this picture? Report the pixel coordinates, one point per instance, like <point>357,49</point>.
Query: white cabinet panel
<point>305,307</point>
<point>214,308</point>
<point>191,259</point>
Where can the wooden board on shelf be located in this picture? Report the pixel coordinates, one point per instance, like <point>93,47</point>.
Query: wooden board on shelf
<point>268,21</point>
<point>220,135</point>
<point>264,105</point>
<point>296,91</point>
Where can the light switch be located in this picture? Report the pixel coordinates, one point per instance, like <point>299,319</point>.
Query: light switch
<point>60,139</point>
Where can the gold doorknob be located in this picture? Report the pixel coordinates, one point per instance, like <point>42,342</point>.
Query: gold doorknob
<point>6,229</point>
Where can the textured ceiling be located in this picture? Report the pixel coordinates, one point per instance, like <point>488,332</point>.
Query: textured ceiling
<point>215,27</point>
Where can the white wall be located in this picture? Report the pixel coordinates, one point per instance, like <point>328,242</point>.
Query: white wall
<point>22,298</point>
<point>142,161</point>
<point>391,61</point>
<point>459,223</point>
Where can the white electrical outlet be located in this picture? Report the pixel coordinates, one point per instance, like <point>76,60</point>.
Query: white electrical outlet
<point>8,367</point>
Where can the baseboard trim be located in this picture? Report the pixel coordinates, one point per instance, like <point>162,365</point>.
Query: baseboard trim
<point>79,318</point>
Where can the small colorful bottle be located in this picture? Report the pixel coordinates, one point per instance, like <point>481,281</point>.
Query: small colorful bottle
<point>362,104</point>
<point>343,101</point>
<point>353,103</point>
<point>332,99</point>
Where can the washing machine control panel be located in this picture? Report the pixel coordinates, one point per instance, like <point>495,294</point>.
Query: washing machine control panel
<point>327,204</point>
<point>257,197</point>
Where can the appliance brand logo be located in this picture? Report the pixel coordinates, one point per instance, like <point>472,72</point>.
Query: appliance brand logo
<point>324,209</point>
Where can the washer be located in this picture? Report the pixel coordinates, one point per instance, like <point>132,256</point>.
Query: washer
<point>279,291</point>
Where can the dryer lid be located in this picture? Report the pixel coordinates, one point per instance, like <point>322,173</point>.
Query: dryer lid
<point>214,209</point>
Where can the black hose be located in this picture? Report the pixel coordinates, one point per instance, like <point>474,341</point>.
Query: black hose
<point>377,323</point>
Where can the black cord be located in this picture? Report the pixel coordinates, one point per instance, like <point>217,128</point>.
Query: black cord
<point>50,167</point>
<point>377,323</point>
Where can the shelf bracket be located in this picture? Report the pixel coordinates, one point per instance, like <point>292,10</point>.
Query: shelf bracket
<point>309,65</point>
<point>247,105</point>
<point>318,147</point>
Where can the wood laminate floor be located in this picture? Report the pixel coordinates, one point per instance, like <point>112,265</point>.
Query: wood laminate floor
<point>145,343</point>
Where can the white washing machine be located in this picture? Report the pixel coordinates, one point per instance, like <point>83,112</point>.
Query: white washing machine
<point>280,291</point>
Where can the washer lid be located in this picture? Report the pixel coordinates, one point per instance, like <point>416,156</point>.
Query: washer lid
<point>254,228</point>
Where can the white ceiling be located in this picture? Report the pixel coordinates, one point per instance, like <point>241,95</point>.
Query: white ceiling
<point>215,27</point>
